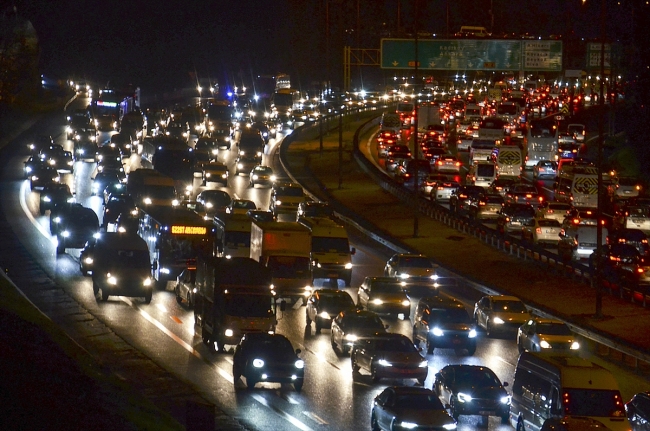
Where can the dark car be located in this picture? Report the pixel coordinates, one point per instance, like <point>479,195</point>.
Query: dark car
<point>115,206</point>
<point>389,356</point>
<point>87,257</point>
<point>485,207</point>
<point>638,411</point>
<point>353,325</point>
<point>623,267</point>
<point>472,390</point>
<point>459,199</point>
<point>314,209</point>
<point>58,158</point>
<point>324,305</point>
<point>635,237</point>
<point>110,151</point>
<point>261,357</point>
<point>128,221</point>
<point>73,225</point>
<point>523,194</point>
<point>384,295</point>
<point>40,142</point>
<point>54,194</point>
<point>114,189</point>
<point>111,165</point>
<point>101,181</point>
<point>42,176</point>
<point>443,322</point>
<point>262,175</point>
<point>246,162</point>
<point>513,217</point>
<point>397,155</point>
<point>260,215</point>
<point>417,408</point>
<point>32,164</point>
<point>213,202</point>
<point>406,173</point>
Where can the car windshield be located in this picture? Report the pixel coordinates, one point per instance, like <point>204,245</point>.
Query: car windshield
<point>397,344</point>
<point>419,402</point>
<point>451,315</point>
<point>336,302</point>
<point>553,329</point>
<point>369,322</point>
<point>329,244</point>
<point>390,287</point>
<point>638,211</point>
<point>237,239</point>
<point>263,170</point>
<point>241,204</point>
<point>510,306</point>
<point>415,262</point>
<point>216,199</point>
<point>288,191</point>
<point>592,402</point>
<point>129,259</point>
<point>479,377</point>
<point>271,346</point>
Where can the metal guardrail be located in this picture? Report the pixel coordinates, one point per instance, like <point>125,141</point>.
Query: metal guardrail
<point>623,351</point>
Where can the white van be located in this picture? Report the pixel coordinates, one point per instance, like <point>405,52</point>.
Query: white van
<point>563,385</point>
<point>473,31</point>
<point>508,159</point>
<point>390,122</point>
<point>481,173</point>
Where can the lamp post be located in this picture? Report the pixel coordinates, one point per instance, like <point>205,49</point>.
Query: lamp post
<point>601,140</point>
<point>416,220</point>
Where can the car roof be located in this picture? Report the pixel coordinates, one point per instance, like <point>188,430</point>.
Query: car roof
<point>441,302</point>
<point>411,390</point>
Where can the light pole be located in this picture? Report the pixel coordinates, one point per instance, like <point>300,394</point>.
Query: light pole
<point>601,140</point>
<point>416,220</point>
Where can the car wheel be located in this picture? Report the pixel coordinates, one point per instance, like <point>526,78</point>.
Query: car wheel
<point>489,331</point>
<point>104,295</point>
<point>250,382</point>
<point>374,426</point>
<point>307,319</point>
<point>147,297</point>
<point>318,326</point>
<point>471,350</point>
<point>178,295</point>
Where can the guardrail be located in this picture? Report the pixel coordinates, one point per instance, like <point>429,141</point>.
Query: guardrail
<point>598,342</point>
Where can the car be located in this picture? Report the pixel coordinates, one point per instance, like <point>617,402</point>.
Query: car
<point>178,130</point>
<point>87,257</point>
<point>410,266</point>
<point>541,231</point>
<point>570,249</point>
<point>443,190</point>
<point>545,334</point>
<point>448,164</point>
<point>240,206</point>
<point>523,194</point>
<point>384,295</point>
<point>498,314</point>
<point>285,197</point>
<point>32,164</point>
<point>213,203</point>
<point>566,139</point>
<point>472,390</point>
<point>409,407</point>
<point>325,304</point>
<point>513,216</point>
<point>245,163</point>
<point>553,210</point>
<point>42,176</point>
<point>185,287</point>
<point>116,205</point>
<point>110,151</point>
<point>545,169</point>
<point>39,142</point>
<point>578,131</point>
<point>627,187</point>
<point>62,160</point>
<point>460,198</point>
<point>431,180</point>
<point>634,237</point>
<point>262,357</point>
<point>263,128</point>
<point>573,423</point>
<point>581,217</point>
<point>215,172</point>
<point>623,267</point>
<point>260,215</point>
<point>54,194</point>
<point>638,411</point>
<point>205,151</point>
<point>431,153</point>
<point>397,155</point>
<point>443,322</point>
<point>501,184</point>
<point>111,165</point>
<point>128,221</point>
<point>386,139</point>
<point>389,356</point>
<point>261,175</point>
<point>485,207</point>
<point>350,326</point>
<point>102,180</point>
<point>310,209</point>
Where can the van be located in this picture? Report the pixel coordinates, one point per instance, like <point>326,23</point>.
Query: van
<point>121,266</point>
<point>579,242</point>
<point>508,160</point>
<point>561,385</point>
<point>473,31</point>
<point>390,122</point>
<point>482,174</point>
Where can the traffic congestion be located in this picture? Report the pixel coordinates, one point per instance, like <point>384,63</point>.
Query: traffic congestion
<point>186,208</point>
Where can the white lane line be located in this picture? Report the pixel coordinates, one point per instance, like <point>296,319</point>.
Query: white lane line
<point>499,358</point>
<point>28,213</point>
<point>293,420</point>
<point>315,418</point>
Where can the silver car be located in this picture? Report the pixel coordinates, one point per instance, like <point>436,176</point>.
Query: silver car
<point>500,313</point>
<point>542,231</point>
<point>541,334</point>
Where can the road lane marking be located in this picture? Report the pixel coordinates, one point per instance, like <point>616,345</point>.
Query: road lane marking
<point>499,358</point>
<point>315,418</point>
<point>292,419</point>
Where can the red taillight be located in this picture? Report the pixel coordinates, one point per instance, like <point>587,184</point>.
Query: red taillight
<point>458,164</point>
<point>439,162</point>
<point>538,230</point>
<point>481,204</point>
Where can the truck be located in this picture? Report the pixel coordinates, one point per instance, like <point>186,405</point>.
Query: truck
<point>219,122</point>
<point>233,236</point>
<point>428,114</point>
<point>233,297</point>
<point>121,266</point>
<point>283,102</point>
<point>150,187</point>
<point>285,249</point>
<point>73,225</point>
<point>331,255</point>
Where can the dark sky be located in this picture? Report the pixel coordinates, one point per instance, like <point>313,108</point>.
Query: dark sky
<point>159,43</point>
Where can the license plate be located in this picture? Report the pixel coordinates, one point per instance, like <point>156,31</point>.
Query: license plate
<point>485,413</point>
<point>332,275</point>
<point>457,341</point>
<point>637,220</point>
<point>516,223</point>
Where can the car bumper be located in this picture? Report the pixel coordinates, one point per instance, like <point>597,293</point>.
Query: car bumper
<point>397,372</point>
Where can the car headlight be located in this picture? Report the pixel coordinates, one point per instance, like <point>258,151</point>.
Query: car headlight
<point>278,202</point>
<point>209,204</point>
<point>65,234</point>
<point>57,220</point>
<point>70,162</point>
<point>351,337</point>
<point>96,235</point>
<point>406,303</point>
<point>472,333</point>
<point>112,280</point>
<point>377,301</point>
<point>464,398</point>
<point>240,165</point>
<point>147,201</point>
<point>449,426</point>
<point>300,364</point>
<point>273,178</point>
<point>147,282</point>
<point>255,176</point>
<point>34,178</point>
<point>437,332</point>
<point>175,202</point>
<point>423,364</point>
<point>505,400</point>
<point>348,265</point>
<point>575,345</point>
<point>384,363</point>
<point>258,363</point>
<point>324,315</point>
<point>544,344</point>
<point>28,169</point>
<point>498,321</point>
<point>228,332</point>
<point>408,425</point>
<point>47,199</point>
<point>404,276</point>
<point>434,277</point>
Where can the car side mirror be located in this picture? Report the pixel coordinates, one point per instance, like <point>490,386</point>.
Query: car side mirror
<point>353,251</point>
<point>505,384</point>
<point>298,351</point>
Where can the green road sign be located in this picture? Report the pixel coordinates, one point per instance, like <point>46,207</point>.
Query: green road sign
<point>472,54</point>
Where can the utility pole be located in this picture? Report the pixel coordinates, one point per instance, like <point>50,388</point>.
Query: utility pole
<point>416,220</point>
<point>601,140</point>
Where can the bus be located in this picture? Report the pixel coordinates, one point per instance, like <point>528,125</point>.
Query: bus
<point>541,142</point>
<point>492,128</point>
<point>176,160</point>
<point>174,237</point>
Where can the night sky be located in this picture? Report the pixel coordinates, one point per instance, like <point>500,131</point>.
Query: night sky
<point>159,44</point>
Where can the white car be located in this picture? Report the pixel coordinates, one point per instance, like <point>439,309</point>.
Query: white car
<point>541,334</point>
<point>542,231</point>
<point>553,210</point>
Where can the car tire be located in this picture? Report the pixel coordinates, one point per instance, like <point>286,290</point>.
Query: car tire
<point>489,331</point>
<point>250,383</point>
<point>430,347</point>
<point>318,326</point>
<point>374,426</point>
<point>307,319</point>
<point>147,297</point>
<point>104,295</point>
<point>178,295</point>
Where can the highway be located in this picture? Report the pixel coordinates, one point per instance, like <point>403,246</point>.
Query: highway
<point>164,330</point>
